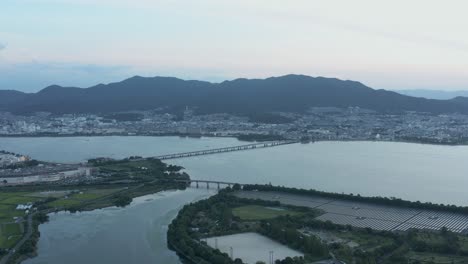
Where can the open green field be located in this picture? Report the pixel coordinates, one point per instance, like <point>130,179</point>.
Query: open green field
<point>80,197</point>
<point>9,234</point>
<point>256,212</point>
<point>8,195</point>
<point>47,194</point>
<point>15,200</point>
<point>93,194</point>
<point>8,203</point>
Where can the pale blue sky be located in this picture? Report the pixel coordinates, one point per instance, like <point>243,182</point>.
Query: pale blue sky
<point>385,44</point>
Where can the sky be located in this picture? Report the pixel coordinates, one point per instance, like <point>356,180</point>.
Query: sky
<point>398,44</point>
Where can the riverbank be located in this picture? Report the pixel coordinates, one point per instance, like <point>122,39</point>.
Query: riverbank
<point>134,234</point>
<point>115,183</point>
<point>244,138</point>
<point>26,247</point>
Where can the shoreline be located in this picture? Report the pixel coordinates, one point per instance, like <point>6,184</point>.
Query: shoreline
<point>234,136</point>
<point>17,258</point>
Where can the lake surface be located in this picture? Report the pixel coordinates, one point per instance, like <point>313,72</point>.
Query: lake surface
<point>251,247</point>
<point>137,234</point>
<point>410,171</point>
<point>79,149</point>
<point>134,234</point>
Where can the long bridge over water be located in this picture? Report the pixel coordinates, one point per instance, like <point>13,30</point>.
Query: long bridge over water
<point>208,182</point>
<point>225,149</point>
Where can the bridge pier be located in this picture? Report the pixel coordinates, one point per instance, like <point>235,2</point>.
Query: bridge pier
<point>197,184</point>
<point>218,185</point>
<point>207,185</point>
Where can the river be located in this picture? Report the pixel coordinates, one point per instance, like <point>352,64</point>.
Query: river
<point>410,171</point>
<point>134,234</point>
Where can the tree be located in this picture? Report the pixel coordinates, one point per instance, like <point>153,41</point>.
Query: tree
<point>41,217</point>
<point>227,216</point>
<point>122,201</point>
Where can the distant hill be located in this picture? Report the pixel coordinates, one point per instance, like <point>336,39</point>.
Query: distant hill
<point>293,93</point>
<point>433,94</point>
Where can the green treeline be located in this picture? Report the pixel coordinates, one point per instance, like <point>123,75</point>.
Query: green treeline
<point>260,137</point>
<point>189,244</point>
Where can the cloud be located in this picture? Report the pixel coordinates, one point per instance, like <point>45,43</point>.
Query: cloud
<point>2,46</point>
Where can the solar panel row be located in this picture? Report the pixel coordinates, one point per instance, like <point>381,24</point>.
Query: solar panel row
<point>363,215</point>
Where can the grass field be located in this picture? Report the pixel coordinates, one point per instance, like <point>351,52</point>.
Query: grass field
<point>9,234</point>
<point>8,203</point>
<point>255,212</point>
<point>80,197</point>
<point>19,200</point>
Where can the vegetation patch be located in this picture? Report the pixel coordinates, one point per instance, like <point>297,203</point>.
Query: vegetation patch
<point>255,212</point>
<point>9,234</point>
<point>19,200</point>
<point>117,183</point>
<point>297,227</point>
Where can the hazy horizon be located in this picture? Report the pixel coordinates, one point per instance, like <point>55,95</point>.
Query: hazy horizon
<point>82,43</point>
<point>415,92</point>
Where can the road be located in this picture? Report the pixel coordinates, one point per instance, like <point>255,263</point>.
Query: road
<point>26,236</point>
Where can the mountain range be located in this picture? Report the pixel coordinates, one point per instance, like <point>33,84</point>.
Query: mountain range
<point>434,94</point>
<point>289,93</point>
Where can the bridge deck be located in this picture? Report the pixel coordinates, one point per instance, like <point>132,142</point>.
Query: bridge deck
<point>209,181</point>
<point>225,149</point>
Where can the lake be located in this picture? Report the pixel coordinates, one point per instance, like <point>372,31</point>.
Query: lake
<point>410,171</point>
<point>137,233</point>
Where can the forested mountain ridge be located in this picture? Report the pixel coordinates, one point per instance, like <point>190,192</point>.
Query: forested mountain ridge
<point>289,93</point>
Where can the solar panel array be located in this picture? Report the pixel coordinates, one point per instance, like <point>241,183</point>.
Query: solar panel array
<point>436,220</point>
<point>341,219</point>
<point>359,214</point>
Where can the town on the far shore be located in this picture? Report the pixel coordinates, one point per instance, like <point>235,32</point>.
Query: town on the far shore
<point>318,123</point>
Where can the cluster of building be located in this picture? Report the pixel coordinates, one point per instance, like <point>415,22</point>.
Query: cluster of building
<point>8,159</point>
<point>43,173</point>
<point>319,123</point>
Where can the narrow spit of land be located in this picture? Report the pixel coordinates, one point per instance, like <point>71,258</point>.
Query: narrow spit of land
<point>223,229</point>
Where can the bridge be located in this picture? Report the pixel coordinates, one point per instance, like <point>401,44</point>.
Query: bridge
<point>208,182</point>
<point>226,149</point>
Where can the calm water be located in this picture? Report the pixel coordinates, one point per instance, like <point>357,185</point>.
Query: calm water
<point>410,171</point>
<point>251,247</point>
<point>78,149</point>
<point>137,234</point>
